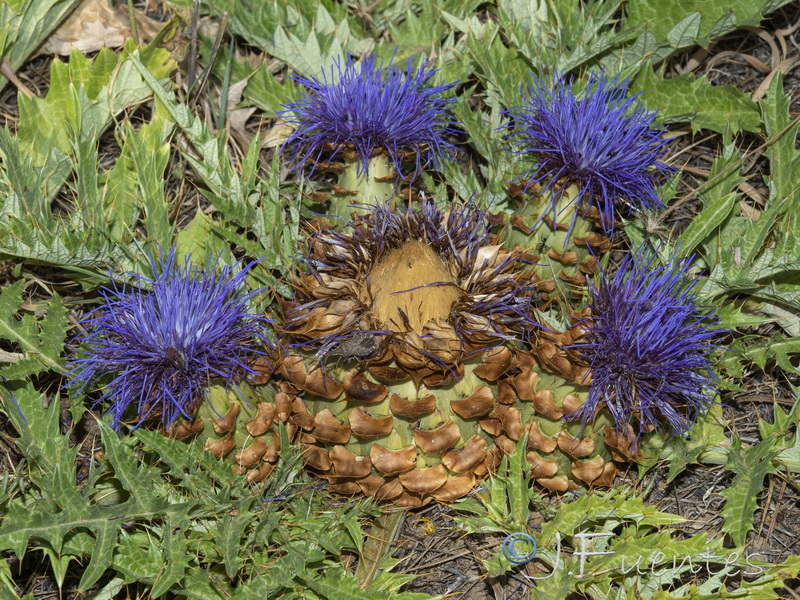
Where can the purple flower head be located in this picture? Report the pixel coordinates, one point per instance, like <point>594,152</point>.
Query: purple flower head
<point>159,350</point>
<point>604,143</point>
<point>372,107</point>
<point>648,347</point>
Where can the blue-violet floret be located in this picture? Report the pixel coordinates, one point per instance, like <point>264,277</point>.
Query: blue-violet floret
<point>369,107</point>
<point>158,349</point>
<point>604,142</point>
<point>648,347</point>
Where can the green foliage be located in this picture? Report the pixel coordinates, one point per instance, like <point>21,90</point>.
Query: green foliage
<point>84,95</point>
<point>502,504</point>
<point>721,108</point>
<point>25,24</point>
<point>709,20</point>
<point>158,511</point>
<point>750,466</point>
<point>781,431</point>
<point>604,544</point>
<point>57,137</point>
<point>307,36</point>
<point>244,200</point>
<point>39,341</point>
<point>708,443</point>
<point>262,88</point>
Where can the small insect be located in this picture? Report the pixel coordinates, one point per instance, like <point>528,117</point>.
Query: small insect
<point>176,357</point>
<point>359,346</point>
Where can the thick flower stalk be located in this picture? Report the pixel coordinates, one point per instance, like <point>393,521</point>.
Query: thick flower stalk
<point>648,347</point>
<point>593,154</point>
<point>157,346</point>
<point>372,119</point>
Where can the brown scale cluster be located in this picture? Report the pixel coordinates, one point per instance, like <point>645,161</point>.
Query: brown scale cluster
<point>243,442</point>
<point>386,473</point>
<point>444,394</point>
<point>575,263</point>
<point>421,302</point>
<point>556,352</point>
<point>511,380</point>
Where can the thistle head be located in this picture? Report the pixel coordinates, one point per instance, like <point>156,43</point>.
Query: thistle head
<point>427,285</point>
<point>604,143</point>
<point>368,108</point>
<point>158,344</point>
<point>648,346</point>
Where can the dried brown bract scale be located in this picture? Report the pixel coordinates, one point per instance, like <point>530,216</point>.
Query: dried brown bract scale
<point>239,424</point>
<point>402,334</point>
<point>565,452</point>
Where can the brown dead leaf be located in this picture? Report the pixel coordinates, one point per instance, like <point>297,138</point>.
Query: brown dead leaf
<point>97,24</point>
<point>277,135</point>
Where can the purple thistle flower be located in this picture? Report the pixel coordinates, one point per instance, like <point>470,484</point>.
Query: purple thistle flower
<point>160,349</point>
<point>371,107</point>
<point>648,347</point>
<point>605,143</point>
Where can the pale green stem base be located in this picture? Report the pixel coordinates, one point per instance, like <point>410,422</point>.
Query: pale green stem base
<point>377,188</point>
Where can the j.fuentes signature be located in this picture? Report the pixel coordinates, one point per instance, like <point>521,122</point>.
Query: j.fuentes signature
<point>521,548</point>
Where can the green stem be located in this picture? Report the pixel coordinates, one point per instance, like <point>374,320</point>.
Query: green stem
<point>376,188</point>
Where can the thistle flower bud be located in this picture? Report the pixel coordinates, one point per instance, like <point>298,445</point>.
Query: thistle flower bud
<point>374,117</point>
<point>603,144</point>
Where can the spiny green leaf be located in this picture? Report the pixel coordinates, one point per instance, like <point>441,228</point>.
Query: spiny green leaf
<point>750,466</point>
<point>25,24</point>
<point>377,548</point>
<point>84,95</point>
<point>101,555</point>
<point>230,536</point>
<point>39,340</point>
<point>783,423</point>
<point>263,89</point>
<point>707,221</point>
<point>784,157</point>
<point>420,28</point>
<point>140,483</point>
<point>721,108</point>
<point>716,19</point>
<point>305,57</point>
<point>38,427</point>
<point>175,557</point>
<point>648,562</point>
<point>335,585</point>
<point>59,133</point>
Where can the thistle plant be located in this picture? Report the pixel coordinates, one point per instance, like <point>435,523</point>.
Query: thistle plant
<point>160,347</point>
<point>593,155</point>
<point>373,119</point>
<point>648,346</point>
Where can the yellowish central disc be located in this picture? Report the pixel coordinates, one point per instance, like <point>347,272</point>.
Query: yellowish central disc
<point>414,280</point>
